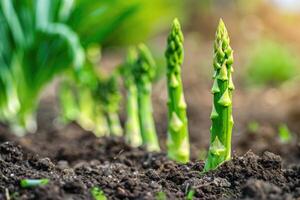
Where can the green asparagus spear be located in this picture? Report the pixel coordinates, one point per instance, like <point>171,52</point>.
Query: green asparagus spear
<point>144,71</point>
<point>178,136</point>
<point>110,96</point>
<point>221,115</point>
<point>132,126</point>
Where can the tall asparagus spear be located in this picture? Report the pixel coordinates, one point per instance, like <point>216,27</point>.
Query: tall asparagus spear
<point>221,115</point>
<point>178,135</point>
<point>144,71</point>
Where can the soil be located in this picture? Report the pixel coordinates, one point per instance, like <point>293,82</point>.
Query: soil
<point>75,161</point>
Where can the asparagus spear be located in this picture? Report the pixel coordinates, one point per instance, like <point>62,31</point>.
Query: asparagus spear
<point>132,126</point>
<point>221,115</point>
<point>110,97</point>
<point>144,71</point>
<point>178,136</point>
<point>101,127</point>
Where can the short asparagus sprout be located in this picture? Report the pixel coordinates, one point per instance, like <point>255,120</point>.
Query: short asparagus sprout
<point>110,96</point>
<point>98,194</point>
<point>30,183</point>
<point>86,114</point>
<point>178,135</point>
<point>221,115</point>
<point>132,126</point>
<point>144,71</point>
<point>101,127</point>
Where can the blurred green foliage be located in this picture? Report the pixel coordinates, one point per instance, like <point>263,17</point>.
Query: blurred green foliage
<point>149,18</point>
<point>40,39</point>
<point>86,101</point>
<point>31,51</point>
<point>271,63</point>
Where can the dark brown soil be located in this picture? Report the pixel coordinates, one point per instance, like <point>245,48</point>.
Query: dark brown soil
<point>75,161</point>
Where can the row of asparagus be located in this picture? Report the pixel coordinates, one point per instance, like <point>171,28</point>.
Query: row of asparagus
<point>138,72</point>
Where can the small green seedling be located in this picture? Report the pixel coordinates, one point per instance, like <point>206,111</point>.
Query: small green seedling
<point>98,194</point>
<point>161,196</point>
<point>190,195</point>
<point>253,126</point>
<point>132,126</point>
<point>221,115</point>
<point>144,72</point>
<point>31,183</point>
<point>284,134</point>
<point>178,135</point>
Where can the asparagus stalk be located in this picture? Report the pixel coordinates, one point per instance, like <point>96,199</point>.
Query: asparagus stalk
<point>178,136</point>
<point>144,71</point>
<point>221,115</point>
<point>86,116</point>
<point>101,124</point>
<point>132,126</point>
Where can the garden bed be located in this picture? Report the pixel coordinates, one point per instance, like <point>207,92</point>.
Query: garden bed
<point>75,160</point>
